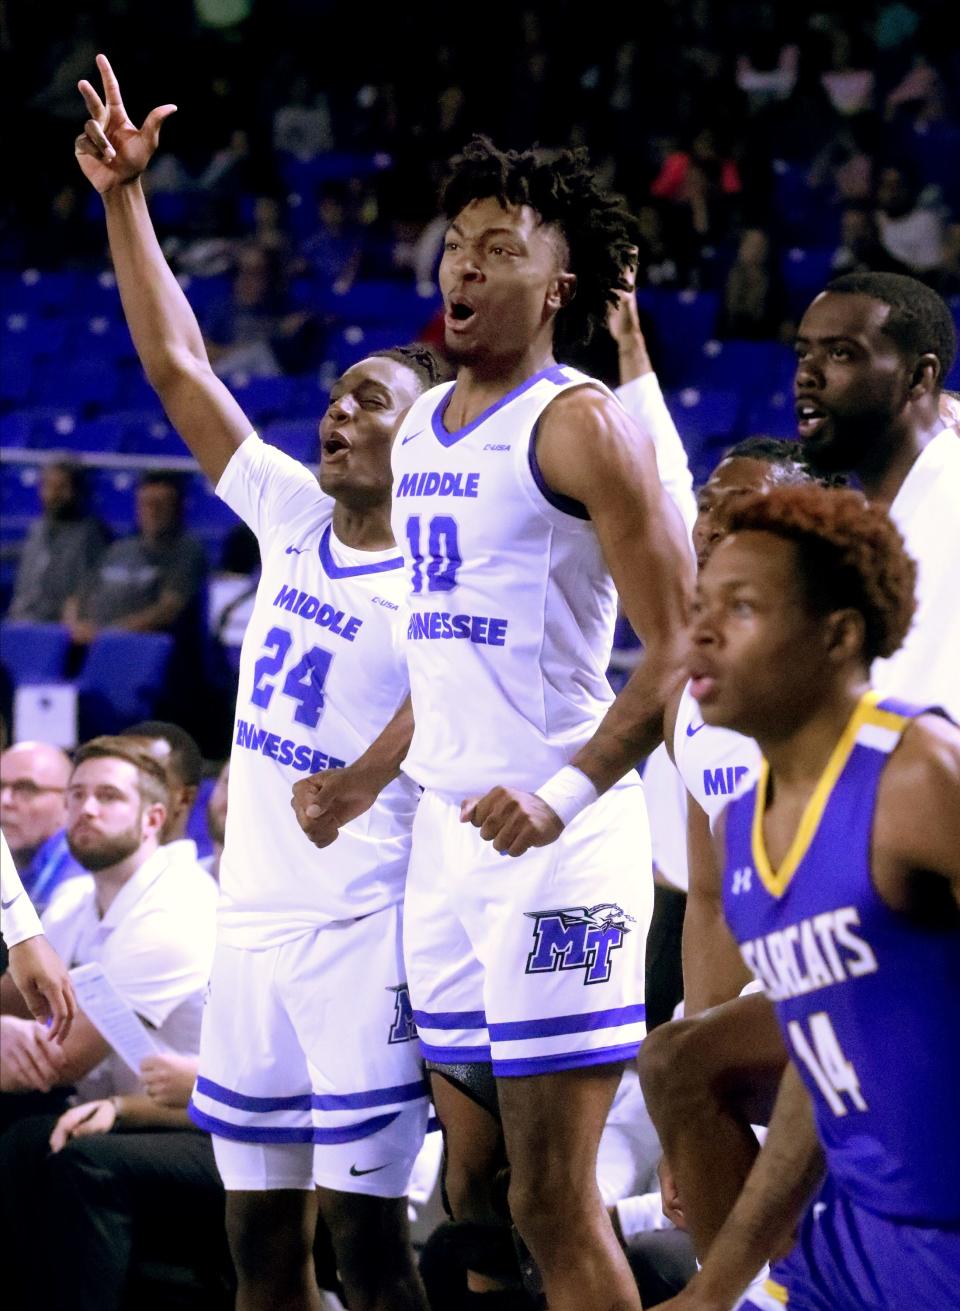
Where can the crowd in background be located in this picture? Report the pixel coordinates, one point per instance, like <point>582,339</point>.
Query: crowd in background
<point>311,138</point>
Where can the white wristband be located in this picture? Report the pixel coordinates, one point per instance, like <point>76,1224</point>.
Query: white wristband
<point>568,792</point>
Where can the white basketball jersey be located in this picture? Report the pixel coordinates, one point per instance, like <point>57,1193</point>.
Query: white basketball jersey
<point>510,607</point>
<point>321,673</point>
<point>714,763</point>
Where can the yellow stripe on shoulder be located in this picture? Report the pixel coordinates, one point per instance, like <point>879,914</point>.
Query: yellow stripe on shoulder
<point>776,1291</point>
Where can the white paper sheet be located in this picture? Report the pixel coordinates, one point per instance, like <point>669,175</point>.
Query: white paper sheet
<point>111,1015</point>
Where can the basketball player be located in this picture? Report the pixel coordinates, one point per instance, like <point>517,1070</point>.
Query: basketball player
<point>524,499</point>
<point>842,886</point>
<point>310,1078</point>
<point>872,353</point>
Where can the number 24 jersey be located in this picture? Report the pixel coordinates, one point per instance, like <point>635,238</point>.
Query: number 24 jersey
<point>322,671</point>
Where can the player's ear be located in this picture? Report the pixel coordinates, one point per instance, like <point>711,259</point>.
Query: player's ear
<point>561,291</point>
<point>926,373</point>
<point>846,635</point>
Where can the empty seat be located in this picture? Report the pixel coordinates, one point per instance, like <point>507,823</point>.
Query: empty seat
<point>34,653</point>
<point>298,437</point>
<point>122,681</point>
<point>771,415</point>
<point>47,427</point>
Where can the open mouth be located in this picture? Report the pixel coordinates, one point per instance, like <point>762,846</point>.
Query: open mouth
<point>459,312</point>
<point>333,445</point>
<point>810,418</point>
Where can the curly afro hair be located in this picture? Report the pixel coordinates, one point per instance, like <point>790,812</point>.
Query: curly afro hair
<point>599,231</point>
<point>850,553</point>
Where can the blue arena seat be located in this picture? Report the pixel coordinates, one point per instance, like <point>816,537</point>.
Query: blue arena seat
<point>152,434</point>
<point>205,514</point>
<point>18,385</point>
<point>684,319</point>
<point>123,680</point>
<point>34,653</point>
<point>298,437</point>
<point>771,415</point>
<point>78,383</point>
<point>263,399</point>
<point>805,274</point>
<point>34,292</point>
<point>707,423</point>
<point>18,491</point>
<point>32,334</point>
<point>46,427</point>
<point>113,498</point>
<point>744,366</point>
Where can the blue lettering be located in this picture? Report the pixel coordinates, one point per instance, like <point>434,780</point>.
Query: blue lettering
<point>318,762</point>
<point>301,758</point>
<point>353,626</point>
<point>714,783</point>
<point>450,485</point>
<point>286,752</point>
<point>286,597</point>
<point>473,484</point>
<point>403,1028</point>
<point>271,746</point>
<point>434,625</point>
<point>461,625</point>
<point>557,946</point>
<point>309,608</point>
<point>408,485</point>
<point>478,630</point>
<point>430,485</point>
<point>497,632</point>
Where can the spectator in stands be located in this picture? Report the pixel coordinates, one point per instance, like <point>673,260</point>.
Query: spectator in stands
<point>61,546</point>
<point>33,783</point>
<point>699,183</point>
<point>910,231</point>
<point>334,252</point>
<point>149,923</point>
<point>253,332</point>
<point>145,583</point>
<point>860,250</point>
<point>754,304</point>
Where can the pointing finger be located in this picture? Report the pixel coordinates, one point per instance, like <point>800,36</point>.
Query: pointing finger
<point>95,106</point>
<point>111,87</point>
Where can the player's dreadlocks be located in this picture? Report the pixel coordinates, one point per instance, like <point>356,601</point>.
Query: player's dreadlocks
<point>420,360</point>
<point>562,188</point>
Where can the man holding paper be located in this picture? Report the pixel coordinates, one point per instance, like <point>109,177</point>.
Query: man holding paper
<point>143,927</point>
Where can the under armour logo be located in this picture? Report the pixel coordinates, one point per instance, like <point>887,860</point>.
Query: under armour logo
<point>742,880</point>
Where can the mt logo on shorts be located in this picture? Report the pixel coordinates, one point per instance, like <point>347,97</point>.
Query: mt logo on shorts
<point>577,938</point>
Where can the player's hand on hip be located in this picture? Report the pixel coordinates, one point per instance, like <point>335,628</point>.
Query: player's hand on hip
<point>326,801</point>
<point>110,150</point>
<point>512,821</point>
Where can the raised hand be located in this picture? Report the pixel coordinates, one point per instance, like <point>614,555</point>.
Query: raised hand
<point>110,150</point>
<point>623,321</point>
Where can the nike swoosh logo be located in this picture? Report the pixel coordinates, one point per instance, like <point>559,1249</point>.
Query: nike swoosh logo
<point>373,1170</point>
<point>693,730</point>
<point>403,443</point>
<point>295,550</point>
<point>5,905</point>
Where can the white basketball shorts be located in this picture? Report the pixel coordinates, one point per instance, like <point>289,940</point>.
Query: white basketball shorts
<point>535,963</point>
<point>310,1072</point>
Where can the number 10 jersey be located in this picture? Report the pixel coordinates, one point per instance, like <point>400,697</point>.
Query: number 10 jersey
<point>511,607</point>
<point>322,671</point>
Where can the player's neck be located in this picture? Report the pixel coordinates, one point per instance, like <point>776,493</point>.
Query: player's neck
<point>884,474</point>
<point>364,530</point>
<point>798,752</point>
<point>482,383</point>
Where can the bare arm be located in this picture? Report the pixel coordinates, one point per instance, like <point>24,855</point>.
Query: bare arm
<point>764,1219</point>
<point>112,154</point>
<point>713,969</point>
<point>326,801</point>
<point>589,450</point>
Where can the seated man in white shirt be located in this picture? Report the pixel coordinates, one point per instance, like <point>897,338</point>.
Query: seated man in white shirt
<point>148,920</point>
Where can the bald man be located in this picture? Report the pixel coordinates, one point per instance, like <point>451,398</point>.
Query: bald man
<point>33,780</point>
